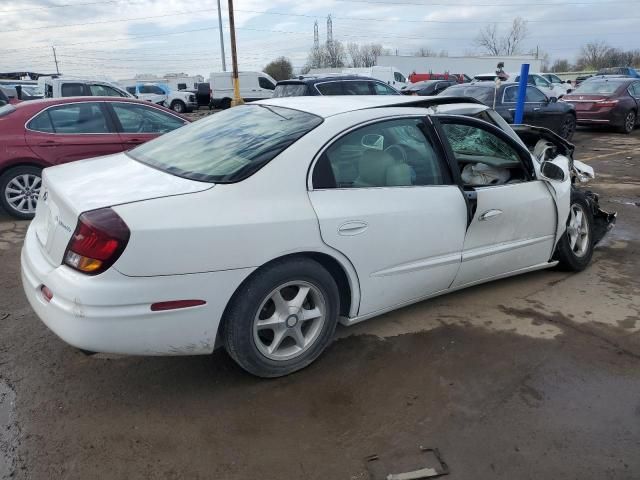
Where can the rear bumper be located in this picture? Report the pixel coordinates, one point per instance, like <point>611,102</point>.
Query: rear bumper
<point>608,117</point>
<point>111,312</point>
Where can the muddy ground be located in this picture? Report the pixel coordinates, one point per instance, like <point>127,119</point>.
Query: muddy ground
<point>534,377</point>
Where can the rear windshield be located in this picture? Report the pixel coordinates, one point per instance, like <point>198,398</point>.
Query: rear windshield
<point>599,87</point>
<point>290,90</point>
<point>484,94</point>
<point>228,146</point>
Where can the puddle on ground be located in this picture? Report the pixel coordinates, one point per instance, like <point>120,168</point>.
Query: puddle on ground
<point>8,430</point>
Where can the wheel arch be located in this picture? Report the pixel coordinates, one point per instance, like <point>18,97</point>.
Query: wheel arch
<point>340,269</point>
<point>27,162</point>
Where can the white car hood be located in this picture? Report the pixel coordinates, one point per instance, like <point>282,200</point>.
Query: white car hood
<point>71,189</point>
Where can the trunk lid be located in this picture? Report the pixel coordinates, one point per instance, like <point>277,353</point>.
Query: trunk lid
<point>583,102</point>
<point>68,190</point>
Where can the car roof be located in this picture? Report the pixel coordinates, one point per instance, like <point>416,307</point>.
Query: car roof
<point>328,106</point>
<point>33,106</point>
<point>323,78</point>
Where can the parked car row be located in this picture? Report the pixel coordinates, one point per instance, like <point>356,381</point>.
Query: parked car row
<point>42,133</point>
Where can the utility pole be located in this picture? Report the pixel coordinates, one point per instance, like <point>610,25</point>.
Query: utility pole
<point>55,58</point>
<point>224,64</point>
<point>237,100</point>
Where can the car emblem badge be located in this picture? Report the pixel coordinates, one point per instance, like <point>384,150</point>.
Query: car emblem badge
<point>581,98</point>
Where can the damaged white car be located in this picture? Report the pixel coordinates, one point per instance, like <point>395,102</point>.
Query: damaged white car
<point>263,226</point>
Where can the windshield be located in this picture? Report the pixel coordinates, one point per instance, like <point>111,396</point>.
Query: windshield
<point>290,90</point>
<point>228,146</point>
<point>484,94</point>
<point>599,87</point>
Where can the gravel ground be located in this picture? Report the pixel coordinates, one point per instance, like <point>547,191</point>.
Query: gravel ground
<point>536,376</point>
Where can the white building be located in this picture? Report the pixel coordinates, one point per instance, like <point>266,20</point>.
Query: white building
<point>469,65</point>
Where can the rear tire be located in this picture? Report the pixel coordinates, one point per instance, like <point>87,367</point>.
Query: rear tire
<point>225,103</point>
<point>282,318</point>
<point>575,248</point>
<point>629,122</point>
<point>19,191</point>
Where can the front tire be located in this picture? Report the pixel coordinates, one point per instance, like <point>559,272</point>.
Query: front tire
<point>178,106</point>
<point>629,122</point>
<point>575,248</point>
<point>282,318</point>
<point>19,191</point>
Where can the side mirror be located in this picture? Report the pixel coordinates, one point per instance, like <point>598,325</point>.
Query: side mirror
<point>551,171</point>
<point>553,100</point>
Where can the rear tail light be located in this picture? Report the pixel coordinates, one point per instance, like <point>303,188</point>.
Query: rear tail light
<point>99,239</point>
<point>607,103</point>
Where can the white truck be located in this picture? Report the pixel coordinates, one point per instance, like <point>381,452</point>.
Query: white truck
<point>389,75</point>
<point>75,87</point>
<point>177,100</point>
<point>253,86</point>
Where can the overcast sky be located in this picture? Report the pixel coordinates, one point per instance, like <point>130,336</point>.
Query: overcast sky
<point>121,38</point>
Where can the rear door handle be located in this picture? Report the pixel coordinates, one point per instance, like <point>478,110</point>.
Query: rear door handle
<point>490,214</point>
<point>354,227</point>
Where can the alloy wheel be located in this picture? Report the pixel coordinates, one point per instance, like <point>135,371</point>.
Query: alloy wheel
<point>578,230</point>
<point>630,122</point>
<point>22,193</point>
<point>568,127</point>
<point>289,320</point>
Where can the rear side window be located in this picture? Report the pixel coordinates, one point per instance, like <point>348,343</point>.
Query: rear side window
<point>290,90</point>
<point>79,118</point>
<point>42,123</point>
<point>151,89</point>
<point>356,87</point>
<point>142,119</point>
<point>330,88</point>
<point>229,146</point>
<point>73,90</point>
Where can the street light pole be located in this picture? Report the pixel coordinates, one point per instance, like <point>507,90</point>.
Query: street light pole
<point>224,64</point>
<point>237,100</point>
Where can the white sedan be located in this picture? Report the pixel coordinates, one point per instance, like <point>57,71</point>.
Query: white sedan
<point>261,227</point>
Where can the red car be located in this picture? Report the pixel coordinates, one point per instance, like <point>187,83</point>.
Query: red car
<point>611,101</point>
<point>42,133</point>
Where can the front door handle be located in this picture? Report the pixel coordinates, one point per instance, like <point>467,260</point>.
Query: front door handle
<point>354,227</point>
<point>490,214</point>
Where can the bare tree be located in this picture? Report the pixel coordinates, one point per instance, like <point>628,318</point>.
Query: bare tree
<point>561,65</point>
<point>353,50</point>
<point>494,43</point>
<point>594,55</point>
<point>426,52</point>
<point>335,54</point>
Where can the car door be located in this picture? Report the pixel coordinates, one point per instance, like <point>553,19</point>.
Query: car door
<point>512,214</point>
<point>72,131</point>
<point>509,100</point>
<point>138,123</point>
<point>384,198</point>
<point>546,113</point>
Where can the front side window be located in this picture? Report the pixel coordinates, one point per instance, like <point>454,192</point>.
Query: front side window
<point>483,157</point>
<point>393,153</point>
<point>72,89</point>
<point>380,88</point>
<point>229,146</point>
<point>136,118</point>
<point>79,118</point>
<point>103,91</point>
<point>398,77</point>
<point>265,83</point>
<point>535,96</point>
<point>151,89</point>
<point>540,81</point>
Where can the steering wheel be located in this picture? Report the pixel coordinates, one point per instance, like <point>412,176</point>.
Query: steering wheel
<point>395,146</point>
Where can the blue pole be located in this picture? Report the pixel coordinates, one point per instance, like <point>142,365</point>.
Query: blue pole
<point>522,92</point>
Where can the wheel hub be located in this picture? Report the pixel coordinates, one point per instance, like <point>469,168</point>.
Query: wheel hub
<point>292,321</point>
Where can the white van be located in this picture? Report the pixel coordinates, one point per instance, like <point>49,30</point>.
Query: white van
<point>253,86</point>
<point>389,75</point>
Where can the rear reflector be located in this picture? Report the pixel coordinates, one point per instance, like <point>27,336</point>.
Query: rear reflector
<point>46,293</point>
<point>175,304</point>
<point>99,239</point>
